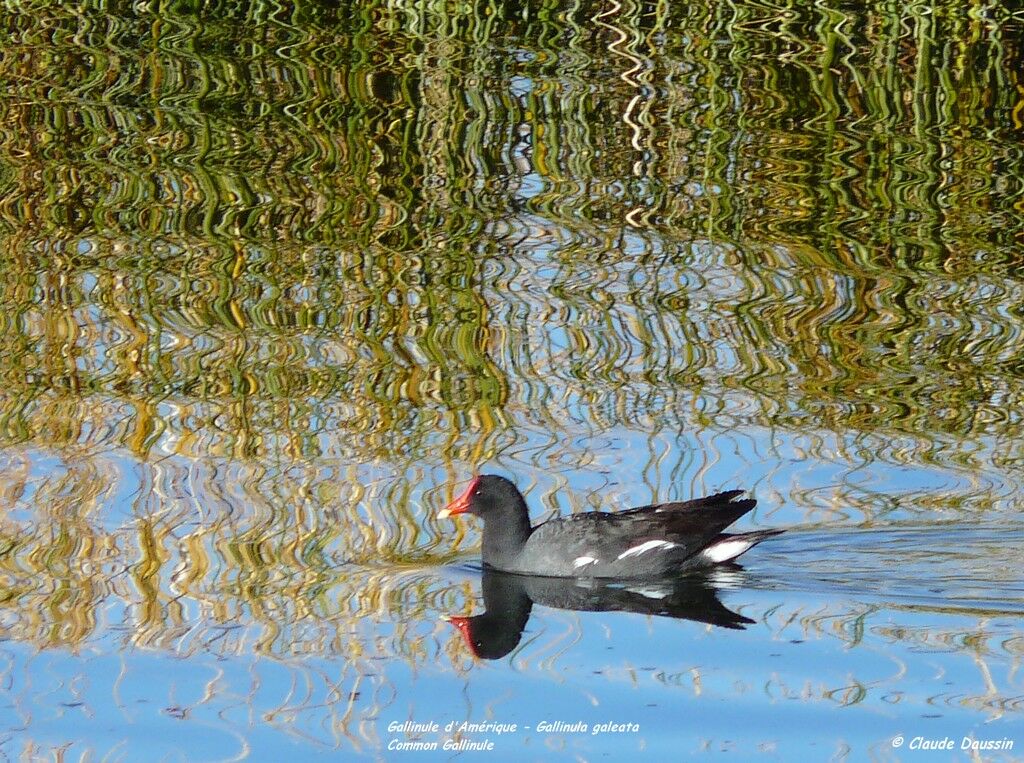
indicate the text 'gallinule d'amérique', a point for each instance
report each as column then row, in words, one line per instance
column 647, row 542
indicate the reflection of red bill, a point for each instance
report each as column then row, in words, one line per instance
column 462, row 625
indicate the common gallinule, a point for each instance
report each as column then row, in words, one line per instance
column 647, row 542
column 508, row 600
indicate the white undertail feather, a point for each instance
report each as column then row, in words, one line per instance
column 723, row 577
column 726, row 549
column 649, row 545
column 650, row 593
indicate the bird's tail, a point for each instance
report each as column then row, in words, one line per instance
column 726, row 547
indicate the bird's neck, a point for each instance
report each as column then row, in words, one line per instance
column 505, row 535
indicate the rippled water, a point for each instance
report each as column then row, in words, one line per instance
column 275, row 281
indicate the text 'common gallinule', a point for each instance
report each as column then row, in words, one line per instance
column 647, row 542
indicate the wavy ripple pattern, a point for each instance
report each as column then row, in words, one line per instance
column 274, row 278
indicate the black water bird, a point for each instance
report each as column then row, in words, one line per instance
column 650, row 542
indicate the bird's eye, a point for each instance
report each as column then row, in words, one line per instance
column 476, row 492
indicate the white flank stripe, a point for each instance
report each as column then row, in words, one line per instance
column 649, row 545
column 725, row 550
column 583, row 561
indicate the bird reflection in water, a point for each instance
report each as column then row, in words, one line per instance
column 509, row 598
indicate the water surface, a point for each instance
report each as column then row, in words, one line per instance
column 275, row 281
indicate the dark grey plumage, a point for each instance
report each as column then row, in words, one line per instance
column 646, row 542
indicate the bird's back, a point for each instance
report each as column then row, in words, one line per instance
column 646, row 542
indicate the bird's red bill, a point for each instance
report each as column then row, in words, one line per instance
column 461, row 504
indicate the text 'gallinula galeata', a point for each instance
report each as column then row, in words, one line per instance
column 647, row 542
